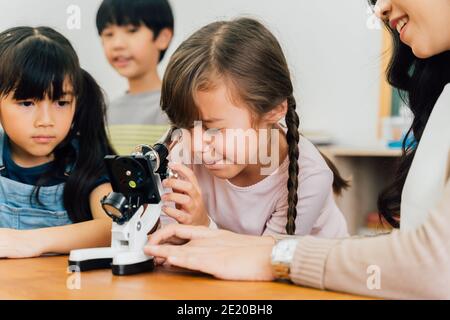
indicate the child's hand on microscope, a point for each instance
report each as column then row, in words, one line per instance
column 187, row 196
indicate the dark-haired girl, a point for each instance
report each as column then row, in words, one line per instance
column 52, row 147
column 413, row 262
column 231, row 79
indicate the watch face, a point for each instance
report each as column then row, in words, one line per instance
column 282, row 256
column 285, row 250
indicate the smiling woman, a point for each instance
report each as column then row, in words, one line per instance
column 421, row 79
column 421, row 26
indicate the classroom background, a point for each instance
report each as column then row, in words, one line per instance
column 336, row 53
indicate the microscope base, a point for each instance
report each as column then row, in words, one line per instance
column 130, row 269
column 122, row 262
column 88, row 265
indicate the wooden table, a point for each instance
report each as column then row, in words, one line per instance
column 48, row 278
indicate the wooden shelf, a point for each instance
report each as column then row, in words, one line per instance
column 370, row 170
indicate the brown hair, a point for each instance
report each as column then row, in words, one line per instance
column 246, row 54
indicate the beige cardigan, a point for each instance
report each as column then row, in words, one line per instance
column 412, row 263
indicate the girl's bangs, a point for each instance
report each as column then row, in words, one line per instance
column 38, row 70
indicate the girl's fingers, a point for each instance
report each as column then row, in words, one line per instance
column 182, row 232
column 181, row 216
column 186, row 173
column 178, row 198
column 181, row 186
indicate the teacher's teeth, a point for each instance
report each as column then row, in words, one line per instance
column 402, row 23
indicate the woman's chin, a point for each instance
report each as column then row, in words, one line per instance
column 424, row 50
column 422, row 54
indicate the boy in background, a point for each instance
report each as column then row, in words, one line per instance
column 135, row 36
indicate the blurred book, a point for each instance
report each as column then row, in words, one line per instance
column 375, row 225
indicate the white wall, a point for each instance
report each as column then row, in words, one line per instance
column 334, row 56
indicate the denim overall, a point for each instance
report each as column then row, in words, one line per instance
column 19, row 208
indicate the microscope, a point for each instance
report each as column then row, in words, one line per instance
column 134, row 206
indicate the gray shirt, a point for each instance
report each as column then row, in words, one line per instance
column 140, row 108
column 135, row 119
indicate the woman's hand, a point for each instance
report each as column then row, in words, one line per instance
column 221, row 253
column 187, row 196
column 18, row 244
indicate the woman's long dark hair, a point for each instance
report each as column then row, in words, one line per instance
column 34, row 64
column 245, row 53
column 420, row 83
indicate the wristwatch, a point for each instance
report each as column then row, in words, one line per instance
column 282, row 256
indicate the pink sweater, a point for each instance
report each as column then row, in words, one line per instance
column 262, row 208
